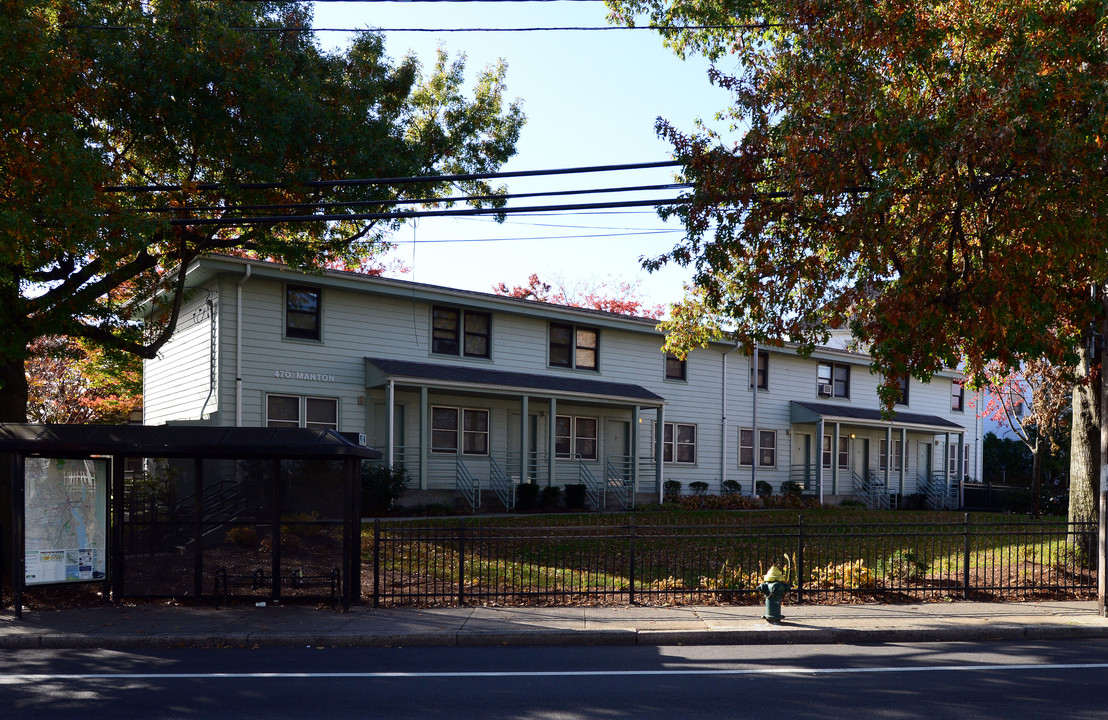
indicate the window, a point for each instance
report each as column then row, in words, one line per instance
column 957, row 395
column 576, row 436
column 456, row 332
column 902, row 390
column 302, row 312
column 898, row 450
column 952, row 464
column 767, row 447
column 763, row 371
column 574, row 347
column 676, row 368
column 289, row 410
column 473, row 430
column 679, row 443
column 844, row 451
column 834, row 380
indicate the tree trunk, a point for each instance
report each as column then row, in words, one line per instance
column 1085, row 449
column 13, row 390
column 1036, row 473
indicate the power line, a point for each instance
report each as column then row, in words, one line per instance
column 405, row 215
column 461, row 177
column 412, row 201
column 552, row 28
column 536, row 237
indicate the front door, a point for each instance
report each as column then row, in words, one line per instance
column 923, row 460
column 617, row 445
column 861, row 457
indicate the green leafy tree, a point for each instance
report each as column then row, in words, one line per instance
column 930, row 174
column 229, row 110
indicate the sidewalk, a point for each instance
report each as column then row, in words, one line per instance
column 298, row 626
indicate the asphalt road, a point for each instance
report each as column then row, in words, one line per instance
column 927, row 680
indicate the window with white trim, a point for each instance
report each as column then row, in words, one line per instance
column 466, row 428
column 898, row 456
column 767, row 447
column 576, row 437
column 294, row 411
column 679, row 443
column 833, row 379
column 302, row 312
column 952, row 461
column 676, row 368
column 902, row 385
column 460, row 332
column 763, row 370
column 844, row 451
column 576, row 347
column 957, row 395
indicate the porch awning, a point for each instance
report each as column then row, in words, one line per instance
column 810, row 412
column 455, row 377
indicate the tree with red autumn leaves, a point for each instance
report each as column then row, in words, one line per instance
column 614, row 296
column 930, row 174
column 1033, row 403
column 79, row 383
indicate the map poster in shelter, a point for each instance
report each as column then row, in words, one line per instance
column 66, row 530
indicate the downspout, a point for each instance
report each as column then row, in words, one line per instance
column 723, row 423
column 238, row 346
column 757, row 442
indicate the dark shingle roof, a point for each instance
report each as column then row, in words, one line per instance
column 506, row 379
column 180, row 441
column 872, row 415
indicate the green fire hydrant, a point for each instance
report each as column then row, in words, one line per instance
column 774, row 588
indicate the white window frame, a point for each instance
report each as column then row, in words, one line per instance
column 958, row 391
column 574, row 346
column 684, row 365
column 833, row 365
column 756, row 369
column 672, row 444
column 462, row 332
column 576, row 437
column 302, row 420
column 844, row 451
column 898, row 458
column 296, row 334
column 746, row 445
column 460, row 432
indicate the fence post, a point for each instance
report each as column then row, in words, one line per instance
column 462, row 563
column 799, row 559
column 965, row 556
column 1102, row 552
column 376, row 563
column 631, row 538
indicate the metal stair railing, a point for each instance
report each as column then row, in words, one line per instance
column 502, row 485
column 879, row 491
column 595, row 490
column 468, row 486
column 619, row 470
column 934, row 489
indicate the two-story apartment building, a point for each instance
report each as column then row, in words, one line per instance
column 471, row 389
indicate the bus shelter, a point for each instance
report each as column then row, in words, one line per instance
column 186, row 512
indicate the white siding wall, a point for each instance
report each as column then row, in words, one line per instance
column 177, row 382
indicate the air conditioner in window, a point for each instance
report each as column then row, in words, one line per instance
column 826, row 390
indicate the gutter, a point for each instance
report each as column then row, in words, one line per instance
column 238, row 346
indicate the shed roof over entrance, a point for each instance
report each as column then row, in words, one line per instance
column 810, row 412
column 180, row 441
column 378, row 370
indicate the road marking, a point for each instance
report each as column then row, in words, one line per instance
column 18, row 678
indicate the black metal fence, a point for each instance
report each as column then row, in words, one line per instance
column 620, row 559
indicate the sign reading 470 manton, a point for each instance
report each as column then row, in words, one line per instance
column 301, row 375
column 65, row 536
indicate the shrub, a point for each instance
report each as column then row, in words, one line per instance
column 297, row 524
column 671, row 490
column 763, row 489
column 550, row 496
column 575, row 495
column 381, row 487
column 915, row 501
column 732, row 487
column 791, row 487
column 905, row 566
column 242, row 536
column 699, row 488
column 527, row 495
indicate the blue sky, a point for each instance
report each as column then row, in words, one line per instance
column 591, row 98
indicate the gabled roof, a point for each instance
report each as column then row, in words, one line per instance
column 809, row 412
column 180, row 441
column 378, row 370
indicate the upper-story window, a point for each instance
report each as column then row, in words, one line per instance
column 460, row 332
column 902, row 390
column 763, row 370
column 957, row 395
column 676, row 368
column 302, row 312
column 574, row 347
column 833, row 380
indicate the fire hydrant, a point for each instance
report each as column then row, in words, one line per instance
column 774, row 588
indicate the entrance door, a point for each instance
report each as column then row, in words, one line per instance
column 802, row 451
column 617, row 443
column 861, row 457
column 923, row 460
